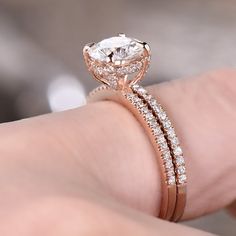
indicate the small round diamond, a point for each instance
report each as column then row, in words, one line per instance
column 144, row 110
column 178, row 151
column 163, row 146
column 166, row 155
column 152, row 123
column 179, row 160
column 170, row 173
column 109, row 69
column 167, row 124
column 154, row 104
column 162, row 115
column 157, row 130
column 135, row 87
column 161, row 139
column 182, row 179
column 168, row 164
column 149, row 116
column 181, row 170
column 171, row 132
column 171, row 180
column 142, row 90
column 129, row 69
column 174, row 141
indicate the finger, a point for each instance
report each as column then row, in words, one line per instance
column 106, row 147
column 203, row 111
column 232, row 208
column 77, row 216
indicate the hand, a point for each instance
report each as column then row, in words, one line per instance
column 63, row 172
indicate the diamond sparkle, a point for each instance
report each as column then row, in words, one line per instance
column 175, row 152
column 117, row 48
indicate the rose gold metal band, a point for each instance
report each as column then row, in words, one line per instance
column 163, row 138
column 120, row 62
column 175, row 149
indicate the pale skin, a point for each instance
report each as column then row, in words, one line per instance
column 92, row 170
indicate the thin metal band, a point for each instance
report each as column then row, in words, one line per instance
column 147, row 117
column 174, row 145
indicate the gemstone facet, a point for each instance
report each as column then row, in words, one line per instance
column 118, row 61
column 117, row 48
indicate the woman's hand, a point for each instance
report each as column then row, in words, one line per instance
column 79, row 171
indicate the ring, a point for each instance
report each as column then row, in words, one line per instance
column 119, row 63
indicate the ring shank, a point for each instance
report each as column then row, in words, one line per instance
column 169, row 192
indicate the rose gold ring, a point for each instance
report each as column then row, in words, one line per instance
column 119, row 63
column 174, row 147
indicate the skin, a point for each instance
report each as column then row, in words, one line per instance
column 92, row 170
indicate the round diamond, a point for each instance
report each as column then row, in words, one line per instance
column 118, row 48
column 179, row 160
column 182, row 179
column 178, row 151
column 149, row 116
column 162, row 115
column 167, row 124
column 156, row 131
column 181, row 170
column 130, row 69
column 161, row 139
column 166, row 155
column 142, row 90
column 152, row 124
column 135, row 87
column 168, row 164
column 144, row 110
column 171, row 132
column 98, row 69
column 171, row 180
column 163, row 146
column 170, row 173
column 175, row 141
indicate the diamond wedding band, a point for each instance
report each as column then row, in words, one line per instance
column 119, row 63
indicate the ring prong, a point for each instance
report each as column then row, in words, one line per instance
column 88, row 46
column 117, row 59
column 85, row 49
column 121, row 35
column 146, row 46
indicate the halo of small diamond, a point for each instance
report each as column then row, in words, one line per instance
column 117, row 60
column 109, row 69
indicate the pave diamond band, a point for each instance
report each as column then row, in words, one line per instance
column 174, row 147
column 163, row 138
column 170, row 134
column 145, row 116
column 157, row 134
column 119, row 63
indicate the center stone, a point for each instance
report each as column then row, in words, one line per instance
column 118, row 48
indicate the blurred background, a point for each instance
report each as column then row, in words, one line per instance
column 41, row 64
